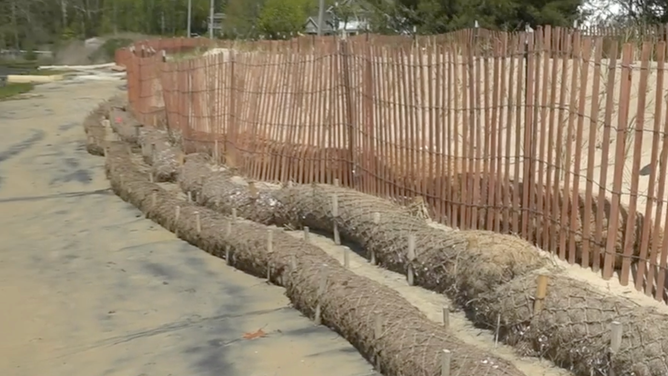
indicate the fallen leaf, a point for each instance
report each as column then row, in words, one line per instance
column 258, row 334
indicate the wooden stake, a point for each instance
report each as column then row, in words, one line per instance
column 335, row 205
column 137, row 133
column 446, row 359
column 152, row 153
column 498, row 327
column 616, row 331
column 177, row 214
column 150, row 177
column 234, row 214
column 198, row 223
column 307, row 236
column 376, row 222
column 335, row 215
column 293, row 262
column 378, row 326
column 270, row 241
column 190, row 196
column 377, row 333
column 215, row 151
column 337, row 236
column 252, row 191
column 410, row 274
column 446, row 317
column 154, row 198
column 321, row 291
column 228, row 233
column 541, row 292
column 336, row 182
column 346, row 258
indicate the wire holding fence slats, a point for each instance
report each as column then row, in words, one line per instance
column 558, row 136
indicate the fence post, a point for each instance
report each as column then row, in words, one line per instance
column 230, row 134
column 349, row 110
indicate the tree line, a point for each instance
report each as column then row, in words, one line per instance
column 25, row 23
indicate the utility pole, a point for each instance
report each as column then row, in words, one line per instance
column 321, row 16
column 211, row 20
column 190, row 13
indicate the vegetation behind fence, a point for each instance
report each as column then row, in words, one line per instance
column 558, row 136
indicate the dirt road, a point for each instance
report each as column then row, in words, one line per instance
column 89, row 287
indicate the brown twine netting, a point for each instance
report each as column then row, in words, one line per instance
column 491, row 275
column 407, row 343
column 95, row 132
column 220, row 193
column 156, row 145
column 157, row 150
column 191, row 176
column 125, row 125
column 574, row 326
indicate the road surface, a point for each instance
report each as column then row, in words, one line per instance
column 88, row 287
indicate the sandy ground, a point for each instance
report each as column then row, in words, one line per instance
column 88, row 287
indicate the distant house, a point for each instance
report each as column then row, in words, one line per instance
column 217, row 23
column 333, row 24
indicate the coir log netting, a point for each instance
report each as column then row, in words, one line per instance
column 463, row 264
column 157, row 148
column 125, row 125
column 96, row 132
column 574, row 326
column 407, row 343
column 492, row 276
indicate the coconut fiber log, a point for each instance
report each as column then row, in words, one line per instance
column 573, row 329
column 165, row 159
column 125, row 125
column 193, row 172
column 95, row 130
column 220, row 191
column 406, row 342
column 463, row 264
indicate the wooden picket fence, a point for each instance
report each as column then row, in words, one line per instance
column 558, row 136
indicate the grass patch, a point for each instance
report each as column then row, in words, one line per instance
column 12, row 90
column 19, row 64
